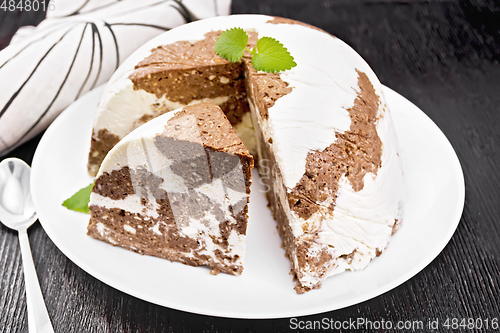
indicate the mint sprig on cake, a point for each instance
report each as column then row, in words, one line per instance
column 269, row 55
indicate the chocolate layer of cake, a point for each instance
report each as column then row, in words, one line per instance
column 201, row 220
column 354, row 154
column 189, row 72
column 100, row 144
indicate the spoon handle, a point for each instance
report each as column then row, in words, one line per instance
column 38, row 318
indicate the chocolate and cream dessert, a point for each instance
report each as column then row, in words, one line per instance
column 190, row 72
column 321, row 132
column 177, row 188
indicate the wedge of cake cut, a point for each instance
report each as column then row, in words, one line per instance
column 190, row 72
column 177, row 188
column 322, row 133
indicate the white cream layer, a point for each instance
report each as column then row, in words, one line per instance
column 121, row 106
column 246, row 132
column 137, row 150
column 362, row 221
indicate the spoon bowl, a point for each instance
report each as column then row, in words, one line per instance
column 18, row 212
column 16, row 206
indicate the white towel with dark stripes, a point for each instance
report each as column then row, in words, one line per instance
column 78, row 47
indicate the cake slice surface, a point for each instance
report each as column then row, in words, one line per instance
column 177, row 188
column 170, row 77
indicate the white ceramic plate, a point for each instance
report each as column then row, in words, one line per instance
column 436, row 192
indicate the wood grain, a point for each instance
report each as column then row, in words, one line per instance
column 441, row 55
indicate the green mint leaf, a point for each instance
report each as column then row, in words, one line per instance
column 231, row 44
column 79, row 202
column 272, row 56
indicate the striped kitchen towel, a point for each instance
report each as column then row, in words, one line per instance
column 76, row 48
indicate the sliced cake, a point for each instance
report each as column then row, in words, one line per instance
column 177, row 188
column 321, row 132
column 190, row 72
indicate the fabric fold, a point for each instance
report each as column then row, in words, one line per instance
column 76, row 48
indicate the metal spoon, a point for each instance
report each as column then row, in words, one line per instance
column 18, row 212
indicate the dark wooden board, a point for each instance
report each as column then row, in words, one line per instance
column 441, row 55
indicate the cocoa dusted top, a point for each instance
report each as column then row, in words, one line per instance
column 354, row 153
column 214, row 129
column 187, row 71
column 183, row 54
